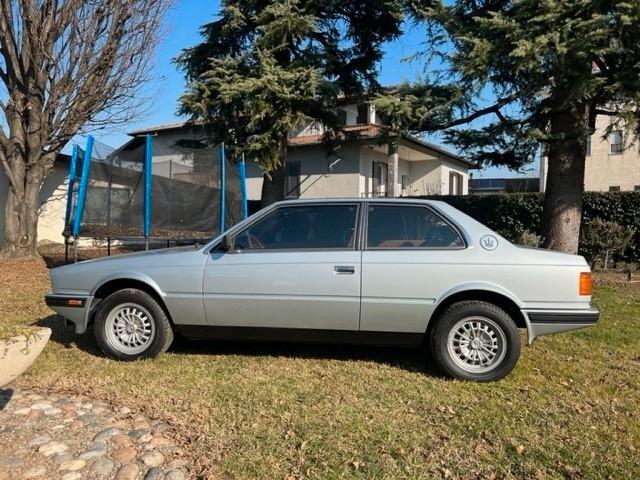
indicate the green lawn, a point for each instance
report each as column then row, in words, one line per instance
column 569, row 410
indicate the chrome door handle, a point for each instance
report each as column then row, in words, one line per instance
column 344, row 269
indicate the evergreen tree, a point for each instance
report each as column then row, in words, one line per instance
column 266, row 67
column 552, row 68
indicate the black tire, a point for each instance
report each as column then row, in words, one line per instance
column 161, row 335
column 506, row 337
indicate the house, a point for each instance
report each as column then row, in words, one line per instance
column 371, row 160
column 612, row 161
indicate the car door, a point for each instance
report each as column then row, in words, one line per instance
column 297, row 267
column 410, row 252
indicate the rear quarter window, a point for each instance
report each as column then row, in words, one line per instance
column 409, row 226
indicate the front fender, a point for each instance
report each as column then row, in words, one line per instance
column 124, row 275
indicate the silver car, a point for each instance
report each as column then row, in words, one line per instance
column 368, row 271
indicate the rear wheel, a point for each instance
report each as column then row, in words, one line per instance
column 130, row 324
column 475, row 340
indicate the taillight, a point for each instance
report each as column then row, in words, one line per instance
column 585, row 283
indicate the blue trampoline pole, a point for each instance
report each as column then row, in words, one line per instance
column 148, row 156
column 67, row 213
column 72, row 181
column 82, row 191
column 243, row 187
column 223, row 187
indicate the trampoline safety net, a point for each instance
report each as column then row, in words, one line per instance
column 114, row 201
column 192, row 192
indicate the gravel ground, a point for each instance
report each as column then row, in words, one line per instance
column 71, row 438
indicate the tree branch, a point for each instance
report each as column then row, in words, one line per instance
column 5, row 165
column 8, row 42
column 495, row 108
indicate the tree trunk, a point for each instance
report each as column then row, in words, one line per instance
column 26, row 166
column 21, row 218
column 562, row 209
column 273, row 184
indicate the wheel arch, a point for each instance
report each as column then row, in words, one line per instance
column 499, row 297
column 118, row 282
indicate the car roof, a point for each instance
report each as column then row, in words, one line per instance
column 294, row 201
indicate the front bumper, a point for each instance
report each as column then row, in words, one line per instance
column 75, row 308
column 545, row 322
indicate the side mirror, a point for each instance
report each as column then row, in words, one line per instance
column 228, row 244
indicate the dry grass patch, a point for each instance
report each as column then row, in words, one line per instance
column 569, row 410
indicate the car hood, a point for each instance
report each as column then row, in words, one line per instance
column 133, row 256
column 189, row 255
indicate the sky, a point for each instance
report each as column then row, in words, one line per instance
column 182, row 31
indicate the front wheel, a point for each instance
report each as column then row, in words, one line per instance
column 130, row 324
column 476, row 341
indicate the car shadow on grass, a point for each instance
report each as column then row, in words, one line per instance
column 406, row 358
column 409, row 359
column 65, row 336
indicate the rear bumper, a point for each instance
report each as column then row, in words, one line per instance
column 545, row 322
column 74, row 308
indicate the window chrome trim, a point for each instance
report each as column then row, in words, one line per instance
column 435, row 211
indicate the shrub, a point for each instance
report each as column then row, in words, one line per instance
column 601, row 238
column 529, row 239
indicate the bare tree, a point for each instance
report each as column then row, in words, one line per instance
column 65, row 65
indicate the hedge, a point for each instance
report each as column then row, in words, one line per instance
column 515, row 213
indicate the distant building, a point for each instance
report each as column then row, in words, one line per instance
column 486, row 186
column 612, row 163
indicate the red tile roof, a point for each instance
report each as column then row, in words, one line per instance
column 363, row 132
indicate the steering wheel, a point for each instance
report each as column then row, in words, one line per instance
column 347, row 236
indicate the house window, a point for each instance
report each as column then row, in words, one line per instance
column 616, row 141
column 614, row 188
column 587, row 148
column 363, row 113
column 636, row 188
column 342, row 117
column 405, row 181
column 292, row 180
column 455, row 183
column 379, row 179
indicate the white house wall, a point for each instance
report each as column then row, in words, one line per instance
column 448, row 167
column 53, row 202
column 426, row 178
column 316, row 179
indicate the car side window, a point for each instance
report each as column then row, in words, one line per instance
column 409, row 226
column 302, row 227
